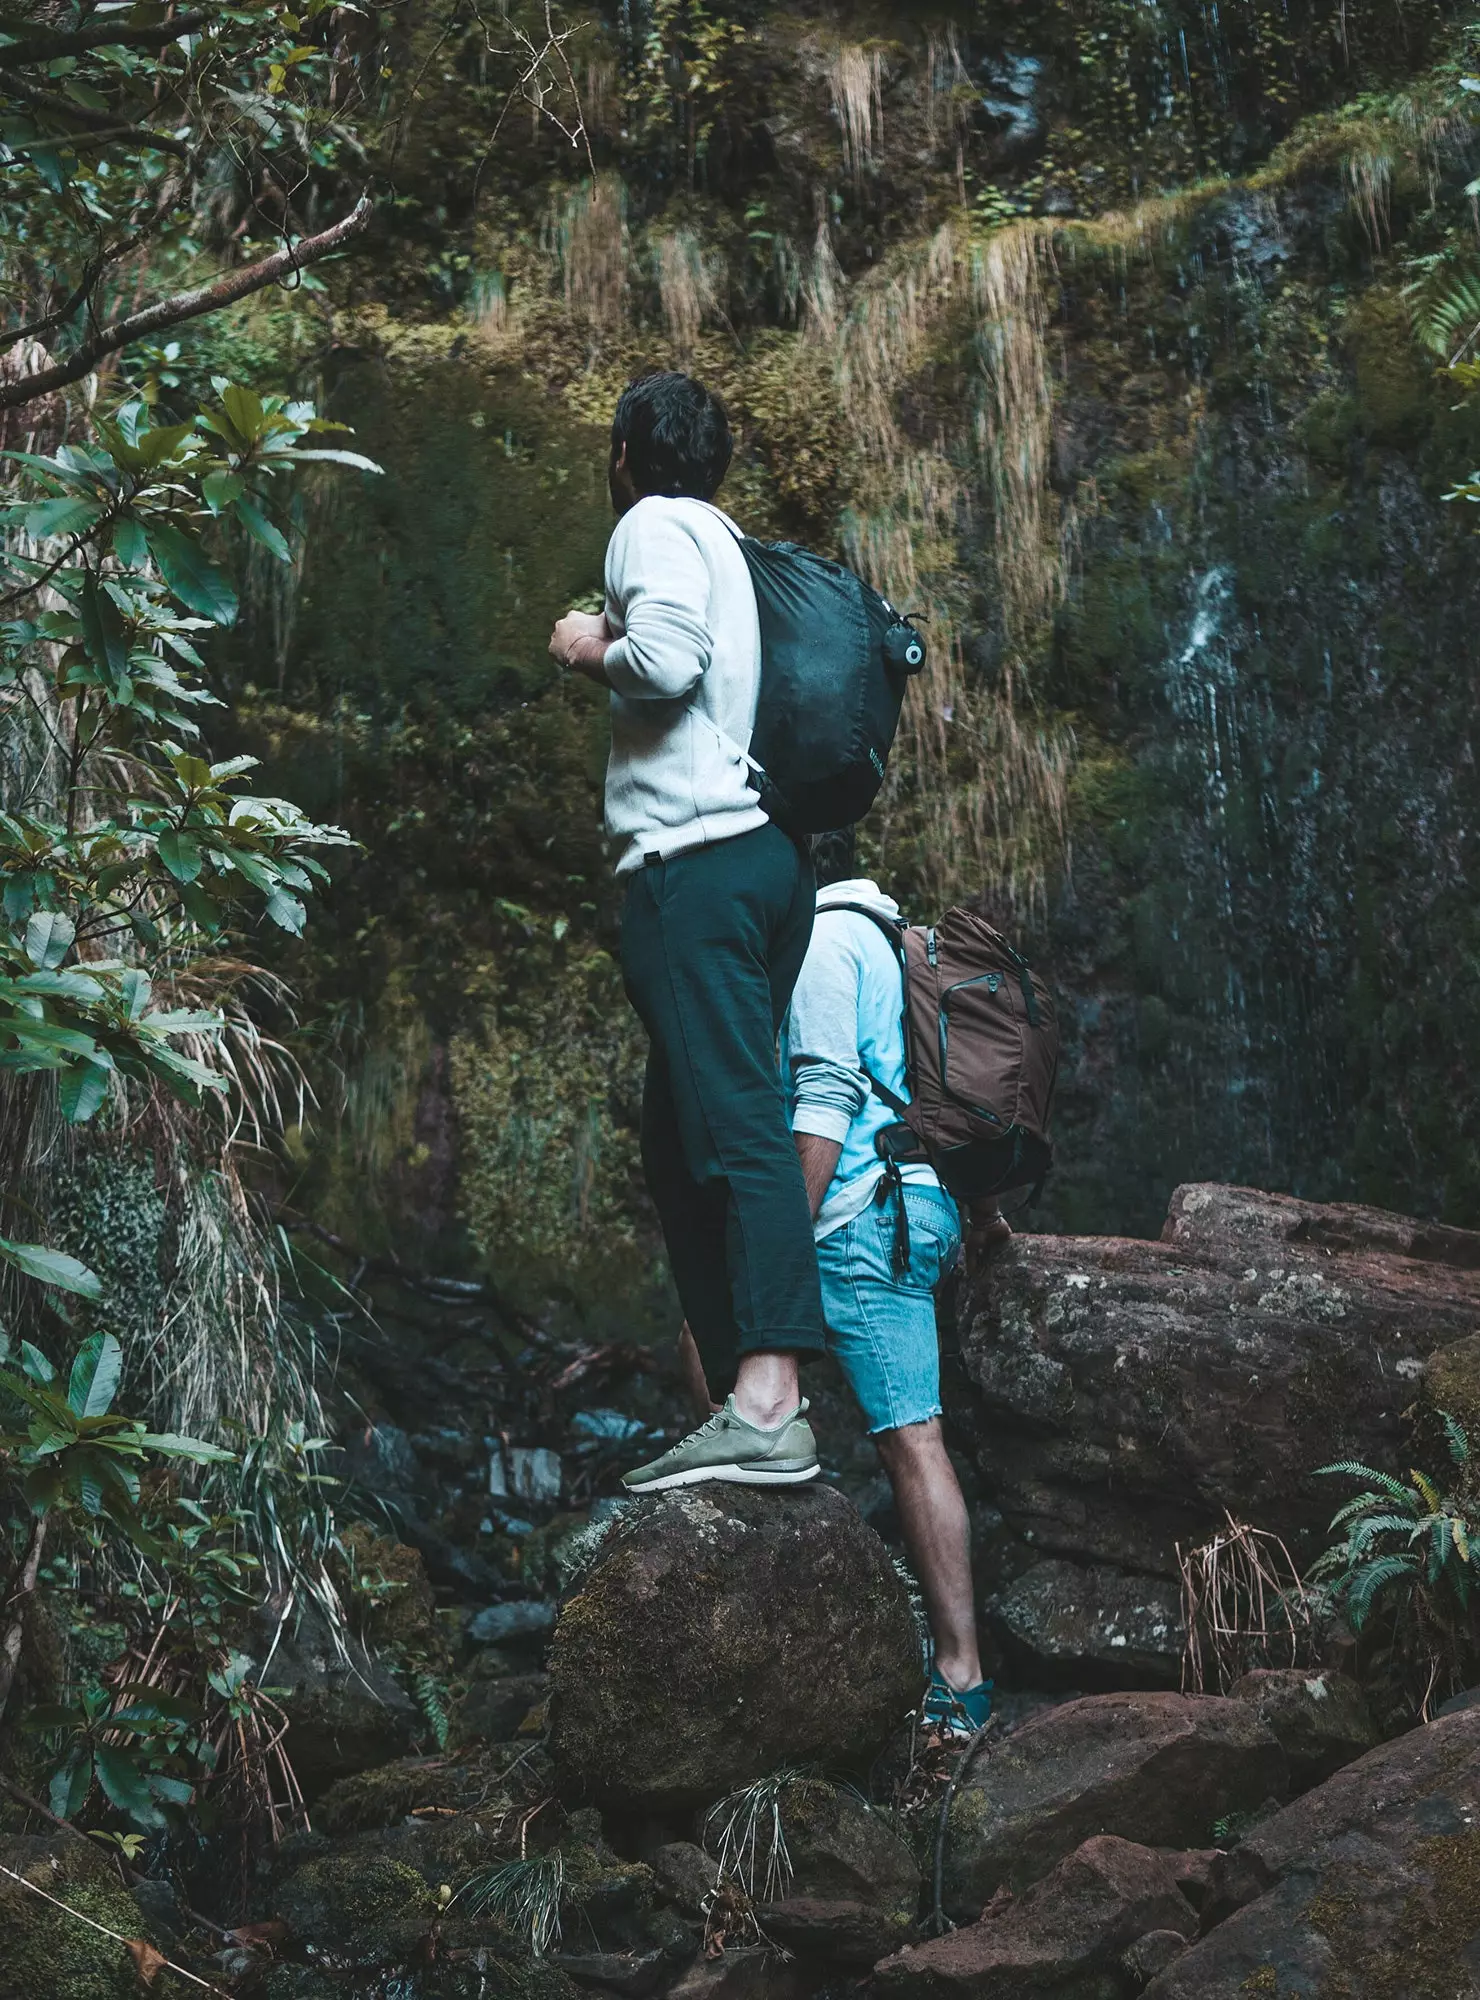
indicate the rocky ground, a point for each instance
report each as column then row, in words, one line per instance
column 679, row 1754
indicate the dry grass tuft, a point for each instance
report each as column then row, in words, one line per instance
column 1015, row 423
column 1369, row 181
column 687, row 288
column 855, row 82
column 591, row 242
column 1244, row 1606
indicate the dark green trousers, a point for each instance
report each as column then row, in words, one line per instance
column 712, row 942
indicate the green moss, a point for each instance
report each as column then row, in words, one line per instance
column 1425, row 1956
column 358, row 1905
column 49, row 1952
column 390, row 1793
column 1395, row 398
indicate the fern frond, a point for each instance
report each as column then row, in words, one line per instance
column 1459, row 1443
column 1446, row 315
column 1438, row 1548
column 430, row 1699
column 1362, row 1503
column 1376, row 1576
column 1363, row 1535
column 1427, row 1488
column 1461, row 1536
column 1351, row 1468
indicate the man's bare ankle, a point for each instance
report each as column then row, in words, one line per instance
column 959, row 1671
column 765, row 1412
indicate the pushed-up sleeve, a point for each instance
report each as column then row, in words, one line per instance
column 658, row 583
column 828, row 1086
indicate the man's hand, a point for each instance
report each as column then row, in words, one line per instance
column 580, row 641
column 819, row 1158
column 987, row 1229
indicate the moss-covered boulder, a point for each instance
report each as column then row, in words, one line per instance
column 47, row 1953
column 854, row 1889
column 356, row 1907
column 1321, row 1719
column 1157, row 1768
column 431, row 1786
column 723, row 1633
column 1367, row 1888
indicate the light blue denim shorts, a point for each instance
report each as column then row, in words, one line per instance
column 881, row 1327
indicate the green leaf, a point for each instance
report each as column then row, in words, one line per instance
column 125, row 1785
column 36, row 1364
column 353, row 458
column 103, row 630
column 286, row 912
column 219, row 489
column 170, row 1445
column 71, row 1784
column 244, row 407
column 190, row 574
column 129, row 545
column 49, row 937
column 261, row 529
column 199, row 907
column 52, row 1267
column 67, row 516
column 180, row 853
column 134, row 989
column 156, row 445
column 81, row 1089
column 95, row 1374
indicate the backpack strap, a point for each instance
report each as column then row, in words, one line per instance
column 893, row 929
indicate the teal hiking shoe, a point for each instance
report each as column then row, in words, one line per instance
column 727, row 1448
column 957, row 1711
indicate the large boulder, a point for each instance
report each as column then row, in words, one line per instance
column 1426, row 1782
column 1158, row 1768
column 854, row 1887
column 1065, row 1939
column 1368, row 1886
column 1129, row 1392
column 74, row 1953
column 721, row 1633
column 1321, row 1718
column 1067, row 1627
column 346, row 1711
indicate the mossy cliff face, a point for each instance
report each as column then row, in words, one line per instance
column 1161, row 456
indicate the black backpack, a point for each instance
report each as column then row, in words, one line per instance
column 835, row 656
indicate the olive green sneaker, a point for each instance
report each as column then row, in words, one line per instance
column 728, row 1448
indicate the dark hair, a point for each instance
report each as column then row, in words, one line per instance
column 835, row 855
column 677, row 435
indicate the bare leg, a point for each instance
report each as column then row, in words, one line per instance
column 691, row 1368
column 767, row 1390
column 932, row 1514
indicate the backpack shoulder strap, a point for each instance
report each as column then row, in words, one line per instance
column 894, row 929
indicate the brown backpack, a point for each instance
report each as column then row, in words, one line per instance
column 981, row 1043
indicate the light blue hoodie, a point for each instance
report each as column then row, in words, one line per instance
column 847, row 1016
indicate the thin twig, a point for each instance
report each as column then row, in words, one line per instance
column 181, row 306
column 938, row 1925
column 130, row 1874
column 117, row 1936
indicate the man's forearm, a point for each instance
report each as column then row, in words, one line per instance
column 819, row 1158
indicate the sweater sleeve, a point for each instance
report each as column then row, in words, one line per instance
column 658, row 583
column 822, row 1037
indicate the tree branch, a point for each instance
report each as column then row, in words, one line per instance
column 99, row 124
column 180, row 306
column 45, row 45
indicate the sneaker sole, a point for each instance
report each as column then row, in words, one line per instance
column 730, row 1475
